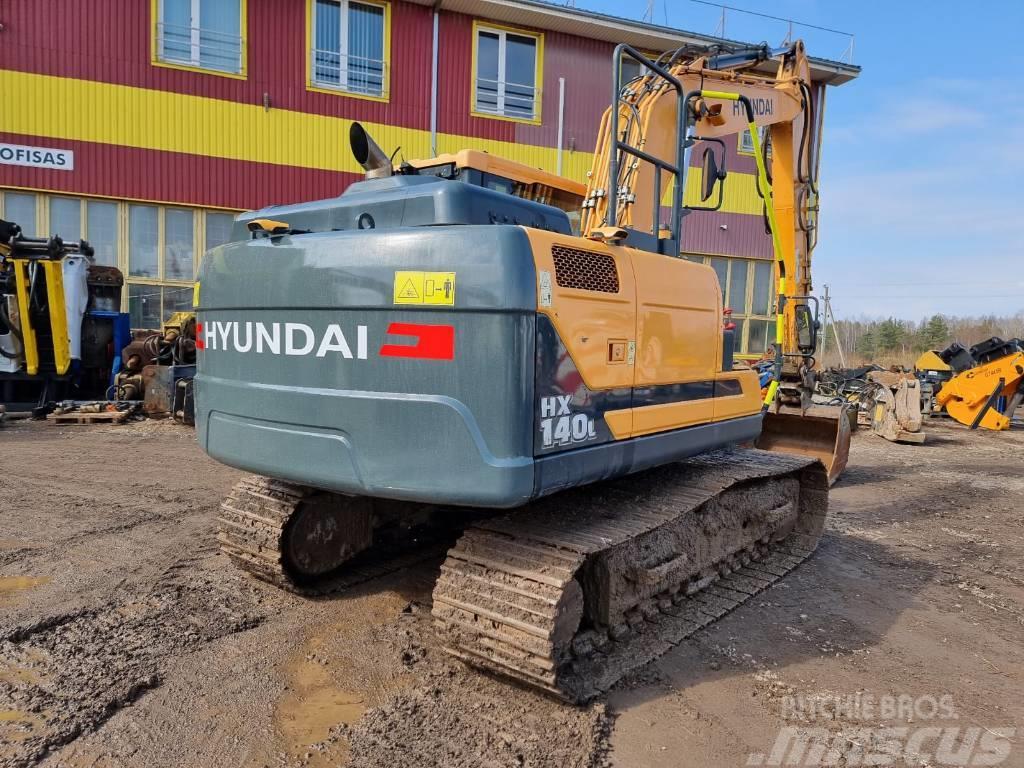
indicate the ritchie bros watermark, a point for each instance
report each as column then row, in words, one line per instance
column 890, row 730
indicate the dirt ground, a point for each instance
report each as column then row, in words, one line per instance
column 126, row 639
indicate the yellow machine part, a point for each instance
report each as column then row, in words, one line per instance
column 28, row 331
column 53, row 272
column 930, row 361
column 968, row 394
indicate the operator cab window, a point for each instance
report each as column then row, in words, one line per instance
column 506, row 80
column 350, row 47
column 205, row 34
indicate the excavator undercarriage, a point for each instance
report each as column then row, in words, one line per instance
column 575, row 591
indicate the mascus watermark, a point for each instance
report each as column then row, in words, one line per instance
column 922, row 737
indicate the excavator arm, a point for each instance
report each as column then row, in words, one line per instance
column 635, row 140
column 642, row 157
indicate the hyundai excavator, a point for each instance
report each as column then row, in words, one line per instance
column 464, row 333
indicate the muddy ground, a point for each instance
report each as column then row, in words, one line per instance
column 126, row 639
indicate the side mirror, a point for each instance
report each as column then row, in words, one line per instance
column 806, row 329
column 711, row 174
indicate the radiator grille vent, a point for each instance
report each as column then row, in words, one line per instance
column 585, row 270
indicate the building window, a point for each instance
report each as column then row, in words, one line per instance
column 20, row 208
column 736, row 298
column 747, row 289
column 101, row 230
column 150, row 305
column 630, row 69
column 508, row 70
column 762, row 294
column 66, row 218
column 179, row 245
column 143, row 241
column 746, row 142
column 157, row 248
column 757, row 336
column 350, row 47
column 207, row 34
column 218, row 229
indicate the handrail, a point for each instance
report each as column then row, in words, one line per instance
column 619, row 145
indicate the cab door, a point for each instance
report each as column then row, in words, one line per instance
column 678, row 342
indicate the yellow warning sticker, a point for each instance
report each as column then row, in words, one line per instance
column 425, row 288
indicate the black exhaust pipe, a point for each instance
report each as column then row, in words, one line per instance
column 376, row 164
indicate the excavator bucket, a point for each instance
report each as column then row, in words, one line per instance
column 822, row 431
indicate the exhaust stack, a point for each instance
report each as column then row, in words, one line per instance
column 376, row 164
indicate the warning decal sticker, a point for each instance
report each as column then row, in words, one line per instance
column 437, row 288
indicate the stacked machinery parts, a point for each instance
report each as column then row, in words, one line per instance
column 932, row 371
column 419, row 345
column 888, row 401
column 60, row 328
column 895, row 406
column 159, row 367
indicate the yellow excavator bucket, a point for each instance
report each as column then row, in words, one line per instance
column 822, row 431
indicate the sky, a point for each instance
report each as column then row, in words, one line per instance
column 922, row 174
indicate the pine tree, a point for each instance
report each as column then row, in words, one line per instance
column 890, row 335
column 866, row 344
column 935, row 333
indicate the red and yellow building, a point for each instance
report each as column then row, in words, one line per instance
column 144, row 125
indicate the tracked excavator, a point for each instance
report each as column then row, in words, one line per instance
column 459, row 334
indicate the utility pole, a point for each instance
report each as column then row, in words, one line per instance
column 830, row 318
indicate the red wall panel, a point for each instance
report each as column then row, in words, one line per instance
column 109, row 41
column 743, row 235
column 146, row 174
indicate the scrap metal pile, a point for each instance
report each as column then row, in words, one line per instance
column 889, row 401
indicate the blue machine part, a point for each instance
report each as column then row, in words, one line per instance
column 122, row 336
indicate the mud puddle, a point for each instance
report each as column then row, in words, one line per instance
column 65, row 675
column 326, row 690
column 13, row 587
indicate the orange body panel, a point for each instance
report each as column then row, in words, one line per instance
column 588, row 321
column 679, row 320
column 744, row 404
column 668, row 310
column 509, row 169
column 649, row 419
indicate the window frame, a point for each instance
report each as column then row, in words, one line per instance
column 338, row 90
column 740, row 149
column 122, row 238
column 538, row 71
column 157, row 60
column 742, row 318
column 623, row 59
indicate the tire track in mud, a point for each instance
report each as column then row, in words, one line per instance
column 64, row 676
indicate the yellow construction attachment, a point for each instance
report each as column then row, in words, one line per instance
column 973, row 397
